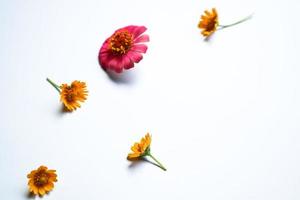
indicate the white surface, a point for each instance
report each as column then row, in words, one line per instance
column 224, row 114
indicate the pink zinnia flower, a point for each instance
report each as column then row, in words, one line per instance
column 123, row 49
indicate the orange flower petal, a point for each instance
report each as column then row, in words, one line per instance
column 42, row 191
column 49, row 187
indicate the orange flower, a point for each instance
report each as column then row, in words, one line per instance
column 41, row 180
column 71, row 95
column 142, row 149
column 209, row 22
column 139, row 149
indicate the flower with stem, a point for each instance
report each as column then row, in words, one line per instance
column 41, row 180
column 71, row 95
column 142, row 149
column 209, row 22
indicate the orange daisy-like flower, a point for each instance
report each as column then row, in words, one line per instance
column 139, row 149
column 41, row 180
column 142, row 149
column 209, row 22
column 71, row 95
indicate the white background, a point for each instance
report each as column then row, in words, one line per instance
column 224, row 114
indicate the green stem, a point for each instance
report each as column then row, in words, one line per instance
column 159, row 164
column 235, row 23
column 54, row 85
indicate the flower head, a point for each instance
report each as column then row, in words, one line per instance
column 41, row 180
column 123, row 48
column 139, row 149
column 142, row 149
column 209, row 22
column 71, row 95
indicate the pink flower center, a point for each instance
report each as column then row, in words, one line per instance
column 121, row 42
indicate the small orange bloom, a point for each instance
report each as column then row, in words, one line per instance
column 73, row 94
column 142, row 149
column 41, row 180
column 139, row 149
column 209, row 22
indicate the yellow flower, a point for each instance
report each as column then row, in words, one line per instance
column 139, row 149
column 142, row 149
column 71, row 95
column 209, row 22
column 41, row 180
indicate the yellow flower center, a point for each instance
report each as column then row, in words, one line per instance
column 121, row 42
column 41, row 179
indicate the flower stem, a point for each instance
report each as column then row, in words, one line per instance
column 235, row 23
column 159, row 164
column 54, row 85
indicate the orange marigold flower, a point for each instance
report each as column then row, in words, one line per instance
column 142, row 149
column 209, row 22
column 41, row 180
column 71, row 95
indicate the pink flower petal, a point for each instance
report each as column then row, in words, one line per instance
column 104, row 59
column 142, row 48
column 118, row 70
column 135, row 56
column 128, row 63
column 104, row 48
column 142, row 38
column 116, row 64
column 136, row 30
